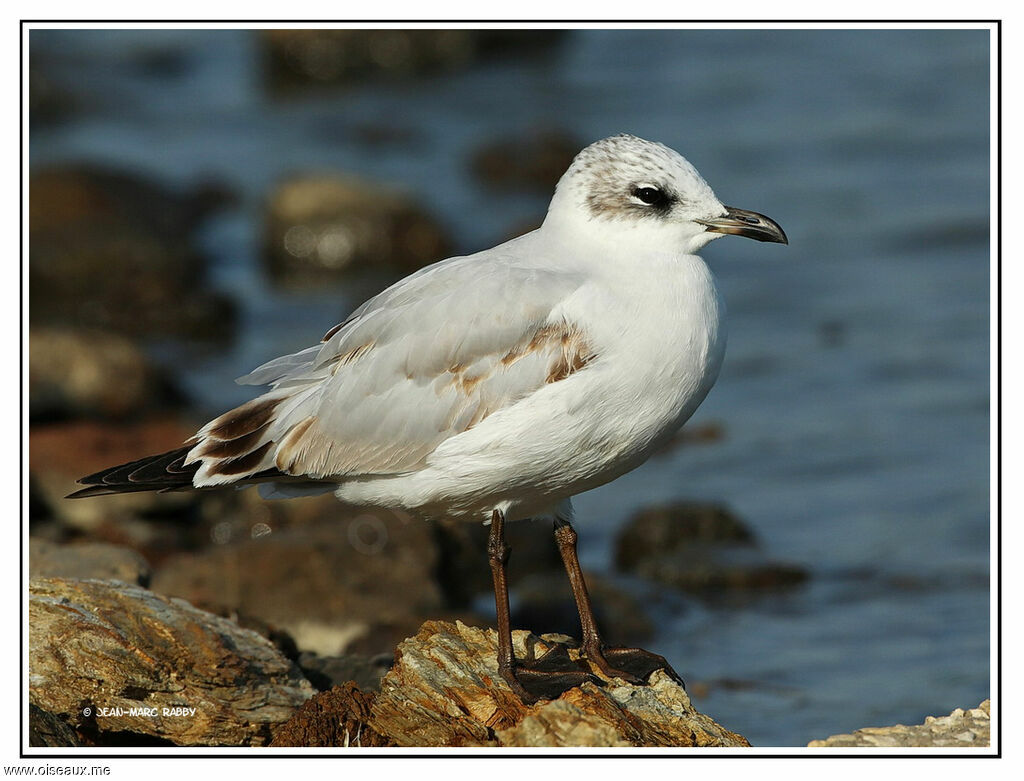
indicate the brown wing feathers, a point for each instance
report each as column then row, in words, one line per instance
column 232, row 442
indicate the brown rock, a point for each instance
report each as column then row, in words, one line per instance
column 463, row 571
column 534, row 161
column 666, row 528
column 91, row 373
column 700, row 548
column 322, row 224
column 61, row 453
column 545, row 602
column 110, row 658
column 112, row 250
column 327, row 584
column 333, row 718
column 86, row 560
column 326, row 672
column 445, row 690
column 298, row 58
column 713, row 572
column 692, row 434
column 45, row 729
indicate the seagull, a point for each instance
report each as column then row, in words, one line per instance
column 497, row 386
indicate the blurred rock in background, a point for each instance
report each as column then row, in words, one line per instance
column 90, row 373
column 700, row 548
column 114, row 250
column 533, row 161
column 321, row 225
column 302, row 58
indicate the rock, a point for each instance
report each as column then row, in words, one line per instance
column 86, row 560
column 462, row 568
column 692, row 434
column 676, row 526
column 45, row 729
column 111, row 250
column 713, row 572
column 700, row 548
column 545, row 602
column 278, row 637
column 534, row 161
column 326, row 672
column 323, row 224
column 111, row 657
column 327, row 583
column 60, row 453
column 300, row 58
column 332, row 718
column 960, row 729
column 96, row 374
column 445, row 690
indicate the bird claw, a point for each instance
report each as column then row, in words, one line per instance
column 555, row 673
column 548, row 677
column 633, row 665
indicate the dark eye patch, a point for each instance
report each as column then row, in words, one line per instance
column 655, row 197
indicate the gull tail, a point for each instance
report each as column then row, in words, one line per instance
column 163, row 472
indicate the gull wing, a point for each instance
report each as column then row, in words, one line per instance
column 426, row 360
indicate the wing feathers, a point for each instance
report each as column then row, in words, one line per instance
column 411, row 368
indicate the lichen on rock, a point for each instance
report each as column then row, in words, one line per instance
column 115, row 659
column 445, row 690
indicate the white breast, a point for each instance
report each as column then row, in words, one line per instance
column 663, row 326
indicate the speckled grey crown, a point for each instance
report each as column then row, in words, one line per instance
column 602, row 176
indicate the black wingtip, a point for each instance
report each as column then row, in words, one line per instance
column 165, row 471
column 92, row 490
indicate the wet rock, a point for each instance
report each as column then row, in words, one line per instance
column 960, row 729
column 445, row 690
column 696, row 434
column 301, row 58
column 534, row 161
column 326, row 672
column 46, row 729
column 545, row 602
column 61, row 453
column 676, row 526
column 322, row 224
column 332, row 718
column 86, row 560
column 113, row 251
column 700, row 548
column 714, row 572
column 463, row 571
column 95, row 374
column 327, row 584
column 117, row 661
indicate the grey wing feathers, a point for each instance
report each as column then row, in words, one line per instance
column 425, row 360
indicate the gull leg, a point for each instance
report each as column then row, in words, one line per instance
column 633, row 665
column 497, row 555
column 531, row 681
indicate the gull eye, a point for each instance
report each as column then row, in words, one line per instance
column 651, row 196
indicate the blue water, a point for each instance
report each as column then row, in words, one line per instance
column 855, row 393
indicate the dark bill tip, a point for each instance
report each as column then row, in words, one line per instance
column 740, row 222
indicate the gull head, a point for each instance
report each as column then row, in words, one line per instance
column 636, row 190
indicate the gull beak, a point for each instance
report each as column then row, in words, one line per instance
column 740, row 222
